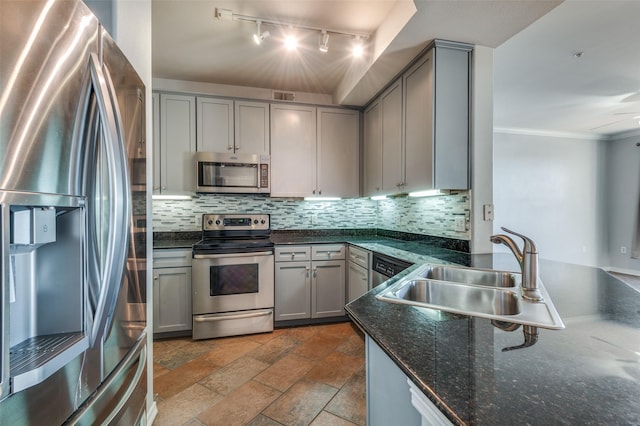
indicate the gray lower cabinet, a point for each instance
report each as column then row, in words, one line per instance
column 327, row 288
column 313, row 288
column 392, row 399
column 292, row 290
column 171, row 290
column 357, row 272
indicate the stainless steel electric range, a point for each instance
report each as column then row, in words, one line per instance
column 233, row 276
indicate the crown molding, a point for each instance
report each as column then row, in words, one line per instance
column 550, row 133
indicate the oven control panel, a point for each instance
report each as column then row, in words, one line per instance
column 238, row 222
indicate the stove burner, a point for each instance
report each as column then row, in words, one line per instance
column 234, row 233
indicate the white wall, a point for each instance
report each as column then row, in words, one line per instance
column 623, row 190
column 552, row 190
column 132, row 32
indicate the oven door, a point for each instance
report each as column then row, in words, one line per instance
column 232, row 282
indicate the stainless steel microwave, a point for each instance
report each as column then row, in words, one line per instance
column 233, row 173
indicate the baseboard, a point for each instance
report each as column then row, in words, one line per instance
column 152, row 413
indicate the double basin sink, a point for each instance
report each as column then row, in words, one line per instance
column 485, row 293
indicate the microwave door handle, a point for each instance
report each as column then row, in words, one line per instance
column 119, row 207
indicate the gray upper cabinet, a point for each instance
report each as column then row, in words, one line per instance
column 383, row 147
column 252, row 127
column 177, row 144
column 293, row 150
column 417, row 130
column 338, row 153
column 436, row 118
column 372, row 150
column 392, row 149
column 225, row 125
column 215, row 124
column 314, row 151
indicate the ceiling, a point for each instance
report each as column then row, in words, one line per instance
column 538, row 83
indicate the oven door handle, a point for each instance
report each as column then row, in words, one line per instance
column 215, row 318
column 220, row 256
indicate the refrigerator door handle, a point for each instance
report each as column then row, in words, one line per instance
column 119, row 208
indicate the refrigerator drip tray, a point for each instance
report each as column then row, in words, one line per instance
column 37, row 358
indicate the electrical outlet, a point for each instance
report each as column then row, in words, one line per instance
column 460, row 224
column 488, row 212
column 623, row 250
column 198, row 220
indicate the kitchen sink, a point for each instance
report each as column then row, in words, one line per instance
column 484, row 293
column 485, row 277
column 460, row 298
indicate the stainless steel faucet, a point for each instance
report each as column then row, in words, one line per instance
column 528, row 261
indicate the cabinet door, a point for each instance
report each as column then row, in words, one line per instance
column 388, row 396
column 156, row 143
column 177, row 143
column 338, row 153
column 171, row 299
column 293, row 151
column 418, row 110
column 357, row 282
column 327, row 288
column 215, row 124
column 392, row 147
column 252, row 127
column 292, row 290
column 451, row 133
column 373, row 150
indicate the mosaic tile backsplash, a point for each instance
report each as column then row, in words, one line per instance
column 437, row 216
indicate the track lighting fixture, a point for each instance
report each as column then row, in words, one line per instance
column 291, row 41
column 324, row 42
column 259, row 37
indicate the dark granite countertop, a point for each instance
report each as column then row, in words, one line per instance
column 588, row 373
column 175, row 240
column 397, row 244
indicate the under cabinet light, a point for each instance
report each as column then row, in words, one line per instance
column 379, row 197
column 322, row 198
column 171, row 197
column 429, row 193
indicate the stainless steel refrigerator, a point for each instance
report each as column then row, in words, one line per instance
column 72, row 220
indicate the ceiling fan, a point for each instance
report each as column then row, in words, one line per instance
column 636, row 116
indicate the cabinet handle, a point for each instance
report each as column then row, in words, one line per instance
column 320, row 192
column 155, row 278
column 400, row 184
column 314, row 192
column 238, row 147
column 315, row 272
column 307, row 268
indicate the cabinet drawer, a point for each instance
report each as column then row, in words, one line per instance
column 327, row 252
column 292, row 253
column 171, row 258
column 359, row 256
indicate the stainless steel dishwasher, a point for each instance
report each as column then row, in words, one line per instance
column 384, row 267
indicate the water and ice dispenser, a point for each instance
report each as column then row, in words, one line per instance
column 47, row 319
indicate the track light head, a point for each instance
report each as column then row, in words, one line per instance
column 324, row 42
column 259, row 37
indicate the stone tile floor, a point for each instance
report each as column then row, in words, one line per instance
column 310, row 375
